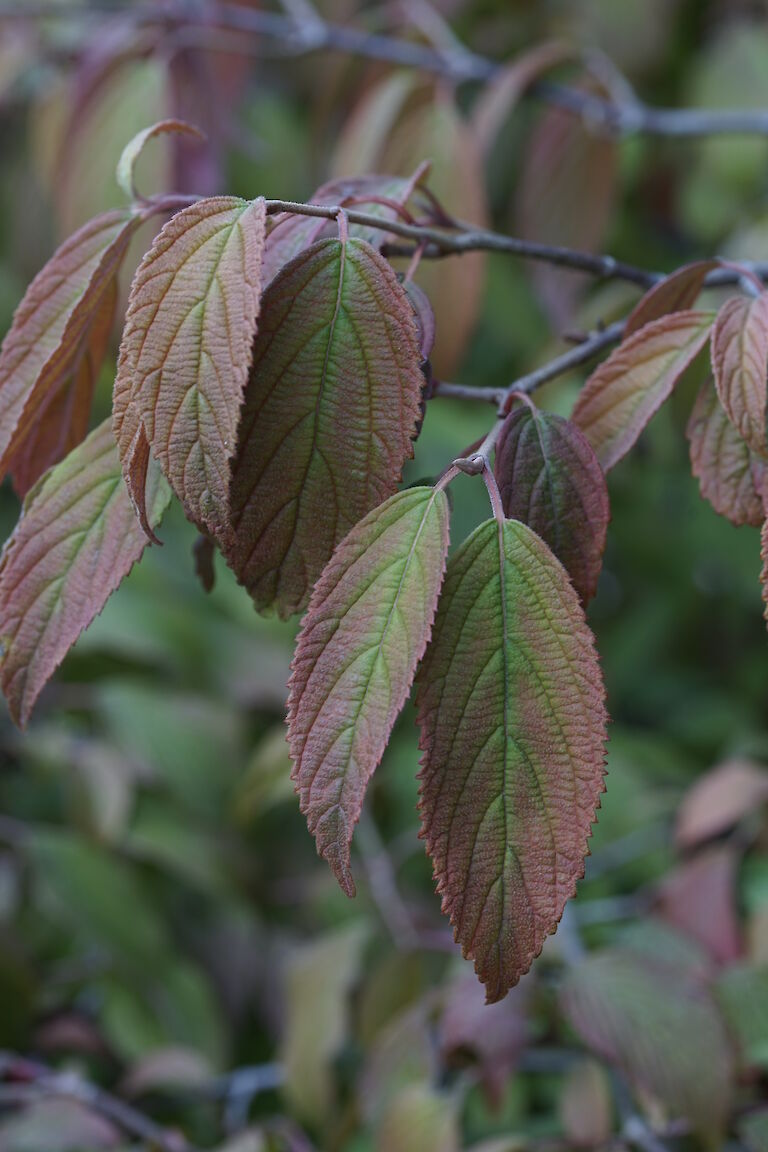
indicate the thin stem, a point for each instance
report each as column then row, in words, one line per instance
column 316, row 34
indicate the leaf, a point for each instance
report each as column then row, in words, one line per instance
column 56, row 343
column 742, row 991
column 134, row 148
column 62, row 421
column 503, row 91
column 675, row 293
column 565, row 196
column 764, row 569
column 720, row 800
column 186, row 352
column 510, row 707
column 624, row 392
column 291, row 233
column 550, row 478
column 329, row 413
column 730, row 475
column 659, row 1025
column 420, row 1119
column 75, row 542
column 699, row 898
column 586, row 1105
column 740, row 364
column 368, row 624
column 318, row 980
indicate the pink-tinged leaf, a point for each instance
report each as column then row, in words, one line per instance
column 677, row 292
column 58, row 338
column 622, row 395
column 368, row 624
column 62, row 420
column 699, row 899
column 495, row 1035
column 719, row 800
column 291, row 233
column 730, row 475
column 186, row 352
column 329, row 414
column 500, row 96
column 130, row 155
column 740, row 364
column 550, row 478
column 660, row 1026
column 75, row 542
column 513, row 730
column 566, row 191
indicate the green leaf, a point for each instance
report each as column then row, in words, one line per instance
column 550, row 478
column 55, row 346
column 622, row 395
column 513, row 729
column 186, row 352
column 368, row 624
column 743, row 993
column 329, row 414
column 76, row 541
column 658, row 1023
column 730, row 475
column 740, row 363
column 134, row 148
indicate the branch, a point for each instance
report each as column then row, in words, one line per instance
column 303, row 37
column 30, row 1080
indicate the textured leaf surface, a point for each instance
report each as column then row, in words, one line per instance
column 550, row 478
column 329, row 412
column 659, row 1025
column 58, row 335
column 367, row 626
column 622, row 395
column 510, row 706
column 77, row 539
column 675, row 293
column 291, row 233
column 186, row 352
column 740, row 364
column 729, row 473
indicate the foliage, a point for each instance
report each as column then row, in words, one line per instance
column 284, row 400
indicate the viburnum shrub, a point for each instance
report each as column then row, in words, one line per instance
column 273, row 376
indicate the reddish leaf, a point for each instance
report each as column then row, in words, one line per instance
column 510, row 706
column 500, row 96
column 719, row 800
column 134, row 148
column 740, row 363
column 659, row 1025
column 186, row 352
column 367, row 626
column 329, row 413
column 675, row 293
column 550, row 478
column 76, row 541
column 565, row 196
column 622, row 395
column 291, row 233
column 729, row 473
column 699, row 898
column 62, row 421
column 56, row 344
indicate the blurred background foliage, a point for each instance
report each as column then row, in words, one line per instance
column 166, row 930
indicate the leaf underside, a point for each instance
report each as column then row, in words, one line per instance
column 368, row 624
column 330, row 410
column 513, row 728
column 675, row 293
column 186, row 352
column 550, row 478
column 730, row 474
column 55, row 346
column 626, row 390
column 740, row 363
column 76, row 541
